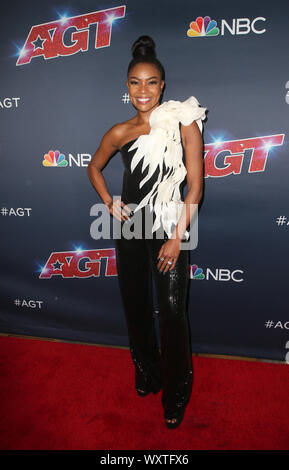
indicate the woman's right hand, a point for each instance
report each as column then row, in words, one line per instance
column 118, row 209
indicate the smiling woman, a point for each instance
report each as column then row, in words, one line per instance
column 151, row 147
column 145, row 86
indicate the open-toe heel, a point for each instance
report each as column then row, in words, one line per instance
column 141, row 384
column 142, row 393
column 145, row 390
column 144, row 386
column 175, row 418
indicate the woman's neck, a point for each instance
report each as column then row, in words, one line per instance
column 143, row 117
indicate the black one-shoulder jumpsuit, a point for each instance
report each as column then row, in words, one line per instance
column 169, row 367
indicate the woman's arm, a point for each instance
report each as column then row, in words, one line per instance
column 108, row 146
column 193, row 146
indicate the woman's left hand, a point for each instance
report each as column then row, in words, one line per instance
column 170, row 251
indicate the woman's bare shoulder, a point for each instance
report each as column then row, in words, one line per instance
column 118, row 133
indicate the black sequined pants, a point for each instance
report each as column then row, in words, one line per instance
column 171, row 366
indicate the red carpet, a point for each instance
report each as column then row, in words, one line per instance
column 61, row 396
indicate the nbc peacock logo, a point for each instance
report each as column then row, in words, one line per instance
column 196, row 272
column 54, row 158
column 203, row 27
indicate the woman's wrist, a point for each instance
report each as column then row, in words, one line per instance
column 109, row 203
column 176, row 239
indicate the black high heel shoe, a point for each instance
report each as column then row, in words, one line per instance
column 177, row 416
column 143, row 390
column 143, row 393
column 144, row 386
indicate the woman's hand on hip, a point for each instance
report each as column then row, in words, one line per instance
column 119, row 210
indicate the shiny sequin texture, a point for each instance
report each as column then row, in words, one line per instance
column 170, row 365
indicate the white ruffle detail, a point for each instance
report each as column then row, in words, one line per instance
column 163, row 144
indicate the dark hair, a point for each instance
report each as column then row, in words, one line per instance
column 143, row 50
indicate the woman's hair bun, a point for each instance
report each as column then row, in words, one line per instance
column 143, row 46
column 143, row 51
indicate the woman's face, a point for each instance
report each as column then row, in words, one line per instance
column 145, row 86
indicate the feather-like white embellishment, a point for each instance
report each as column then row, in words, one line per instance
column 163, row 145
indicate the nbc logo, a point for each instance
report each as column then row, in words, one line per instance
column 196, row 272
column 205, row 27
column 54, row 158
column 218, row 274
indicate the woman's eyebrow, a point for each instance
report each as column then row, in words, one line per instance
column 145, row 79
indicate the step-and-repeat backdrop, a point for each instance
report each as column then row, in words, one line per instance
column 63, row 75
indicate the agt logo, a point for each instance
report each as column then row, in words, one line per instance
column 207, row 27
column 223, row 158
column 69, row 35
column 80, row 263
column 9, row 103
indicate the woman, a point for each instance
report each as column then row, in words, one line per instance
column 151, row 147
